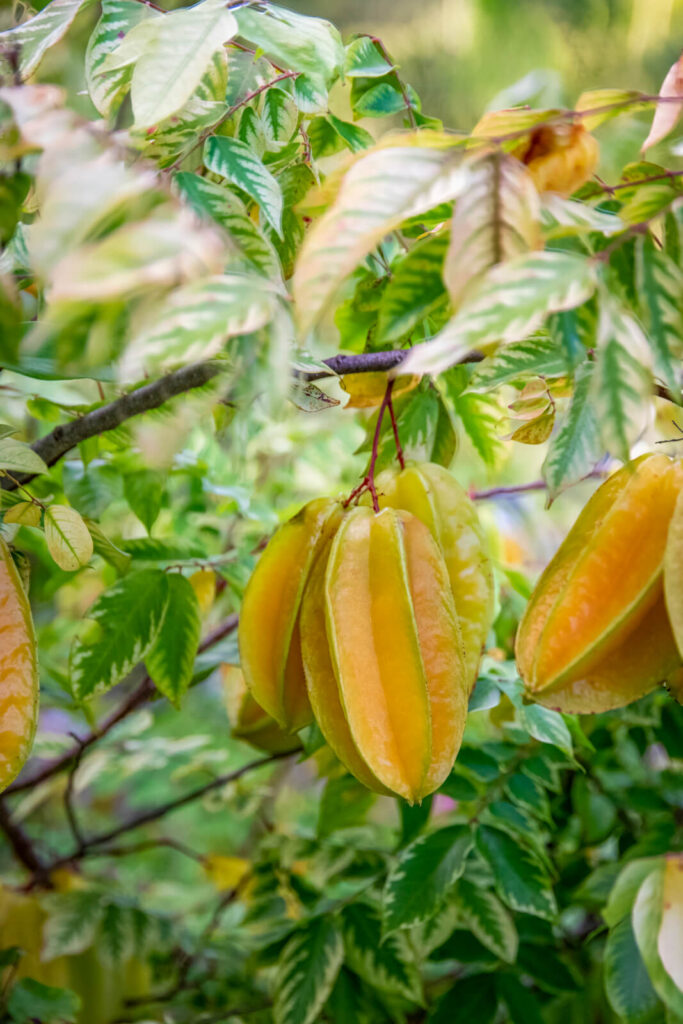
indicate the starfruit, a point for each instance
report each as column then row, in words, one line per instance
column 18, row 671
column 382, row 652
column 429, row 492
column 248, row 720
column 269, row 637
column 595, row 634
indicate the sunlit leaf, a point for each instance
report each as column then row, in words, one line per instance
column 496, row 219
column 667, row 114
column 68, row 538
column 510, row 303
column 382, row 188
column 107, row 90
column 18, row 457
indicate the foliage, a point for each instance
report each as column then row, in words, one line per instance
column 190, row 256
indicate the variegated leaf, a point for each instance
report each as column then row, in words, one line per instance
column 521, row 880
column 170, row 660
column 209, row 199
column 235, row 162
column 197, row 320
column 536, row 356
column 34, row 37
column 576, row 446
column 562, row 217
column 495, row 219
column 170, row 57
column 107, row 89
column 131, row 613
column 487, row 919
column 414, row 290
column 654, row 896
column 294, row 41
column 307, row 970
column 660, row 285
column 426, row 870
column 384, row 186
column 387, row 965
column 510, row 303
column 622, row 383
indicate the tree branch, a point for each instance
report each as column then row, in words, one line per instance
column 368, row 362
column 20, row 842
column 66, row 436
column 154, row 813
column 139, row 696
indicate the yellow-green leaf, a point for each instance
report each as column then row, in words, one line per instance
column 68, row 538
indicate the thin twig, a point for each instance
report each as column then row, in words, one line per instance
column 154, row 813
column 397, row 439
column 140, row 695
column 203, row 136
column 21, row 844
column 147, row 844
column 534, row 485
column 66, row 436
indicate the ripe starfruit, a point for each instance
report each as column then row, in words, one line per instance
column 382, row 652
column 269, row 636
column 595, row 634
column 429, row 492
column 248, row 719
column 18, row 671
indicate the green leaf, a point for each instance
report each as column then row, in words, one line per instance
column 220, row 204
column 423, row 875
column 553, row 974
column 426, row 429
column 364, row 59
column 621, row 385
column 576, row 446
column 106, row 549
column 521, row 1003
column 382, row 188
column 18, row 457
column 413, row 818
column 307, row 969
column 511, row 302
column 353, row 136
column 115, row 938
column 546, row 726
column 480, row 417
column 294, row 41
column 235, row 162
column 627, row 984
column 380, row 100
column 107, row 90
column 473, row 998
column 385, row 964
column 529, row 795
column 660, row 286
column 31, row 1001
column 68, row 538
column 171, row 54
column 487, row 919
column 625, row 890
column 536, row 357
column 415, row 289
column 324, row 138
column 170, row 660
column 144, row 491
column 521, row 880
column 647, row 921
column 34, row 37
column 72, row 922
column 279, row 117
column 130, row 614
column 496, row 219
column 344, row 804
column 566, row 217
column 197, row 320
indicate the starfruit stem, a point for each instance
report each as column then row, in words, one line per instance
column 368, row 481
column 397, row 439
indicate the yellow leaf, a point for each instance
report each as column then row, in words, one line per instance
column 529, row 408
column 367, row 389
column 24, row 513
column 226, row 872
column 68, row 538
column 204, row 585
column 535, row 431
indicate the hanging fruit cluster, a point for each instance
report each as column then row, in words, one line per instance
column 604, row 624
column 18, row 671
column 371, row 620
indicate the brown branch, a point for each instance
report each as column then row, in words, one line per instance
column 368, row 362
column 20, row 842
column 139, row 696
column 66, row 436
column 154, row 813
column 534, row 485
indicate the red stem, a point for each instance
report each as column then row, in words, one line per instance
column 397, row 439
column 370, row 478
